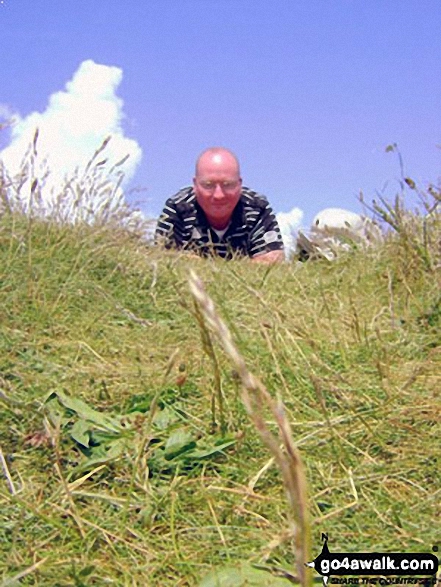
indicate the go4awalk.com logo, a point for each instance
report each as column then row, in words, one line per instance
column 375, row 564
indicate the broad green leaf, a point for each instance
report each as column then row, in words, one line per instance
column 87, row 413
column 54, row 413
column 203, row 452
column 177, row 443
column 243, row 575
column 164, row 418
column 116, row 448
column 80, row 432
column 101, row 454
column 106, row 452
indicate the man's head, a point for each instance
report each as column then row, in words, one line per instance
column 217, row 185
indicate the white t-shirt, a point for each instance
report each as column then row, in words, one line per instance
column 220, row 233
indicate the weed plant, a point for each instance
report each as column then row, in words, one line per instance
column 126, row 453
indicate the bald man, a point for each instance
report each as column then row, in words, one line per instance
column 219, row 216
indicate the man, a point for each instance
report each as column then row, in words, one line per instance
column 217, row 215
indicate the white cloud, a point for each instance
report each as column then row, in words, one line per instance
column 74, row 124
column 6, row 112
column 289, row 223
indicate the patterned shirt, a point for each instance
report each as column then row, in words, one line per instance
column 253, row 227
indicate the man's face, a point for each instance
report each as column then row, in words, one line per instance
column 217, row 186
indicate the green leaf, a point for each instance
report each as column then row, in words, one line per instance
column 80, row 432
column 177, row 443
column 86, row 571
column 101, row 454
column 116, row 448
column 85, row 412
column 164, row 418
column 243, row 575
column 202, row 453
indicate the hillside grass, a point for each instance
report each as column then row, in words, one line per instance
column 352, row 348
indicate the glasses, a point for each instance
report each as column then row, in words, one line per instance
column 225, row 186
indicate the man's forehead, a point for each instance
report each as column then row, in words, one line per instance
column 218, row 164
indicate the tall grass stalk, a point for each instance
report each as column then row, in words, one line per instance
column 256, row 399
column 217, row 397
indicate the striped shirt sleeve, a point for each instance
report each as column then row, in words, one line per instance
column 170, row 228
column 265, row 235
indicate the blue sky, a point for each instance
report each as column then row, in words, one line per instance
column 308, row 93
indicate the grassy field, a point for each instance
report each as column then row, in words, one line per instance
column 127, row 456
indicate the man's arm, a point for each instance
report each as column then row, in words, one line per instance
column 269, row 258
column 266, row 244
column 168, row 226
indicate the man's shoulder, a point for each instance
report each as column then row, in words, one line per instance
column 183, row 202
column 184, row 195
column 253, row 200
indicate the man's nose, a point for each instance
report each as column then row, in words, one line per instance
column 218, row 194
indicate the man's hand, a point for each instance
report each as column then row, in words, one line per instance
column 269, row 258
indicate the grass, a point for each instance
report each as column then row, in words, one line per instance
column 92, row 313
